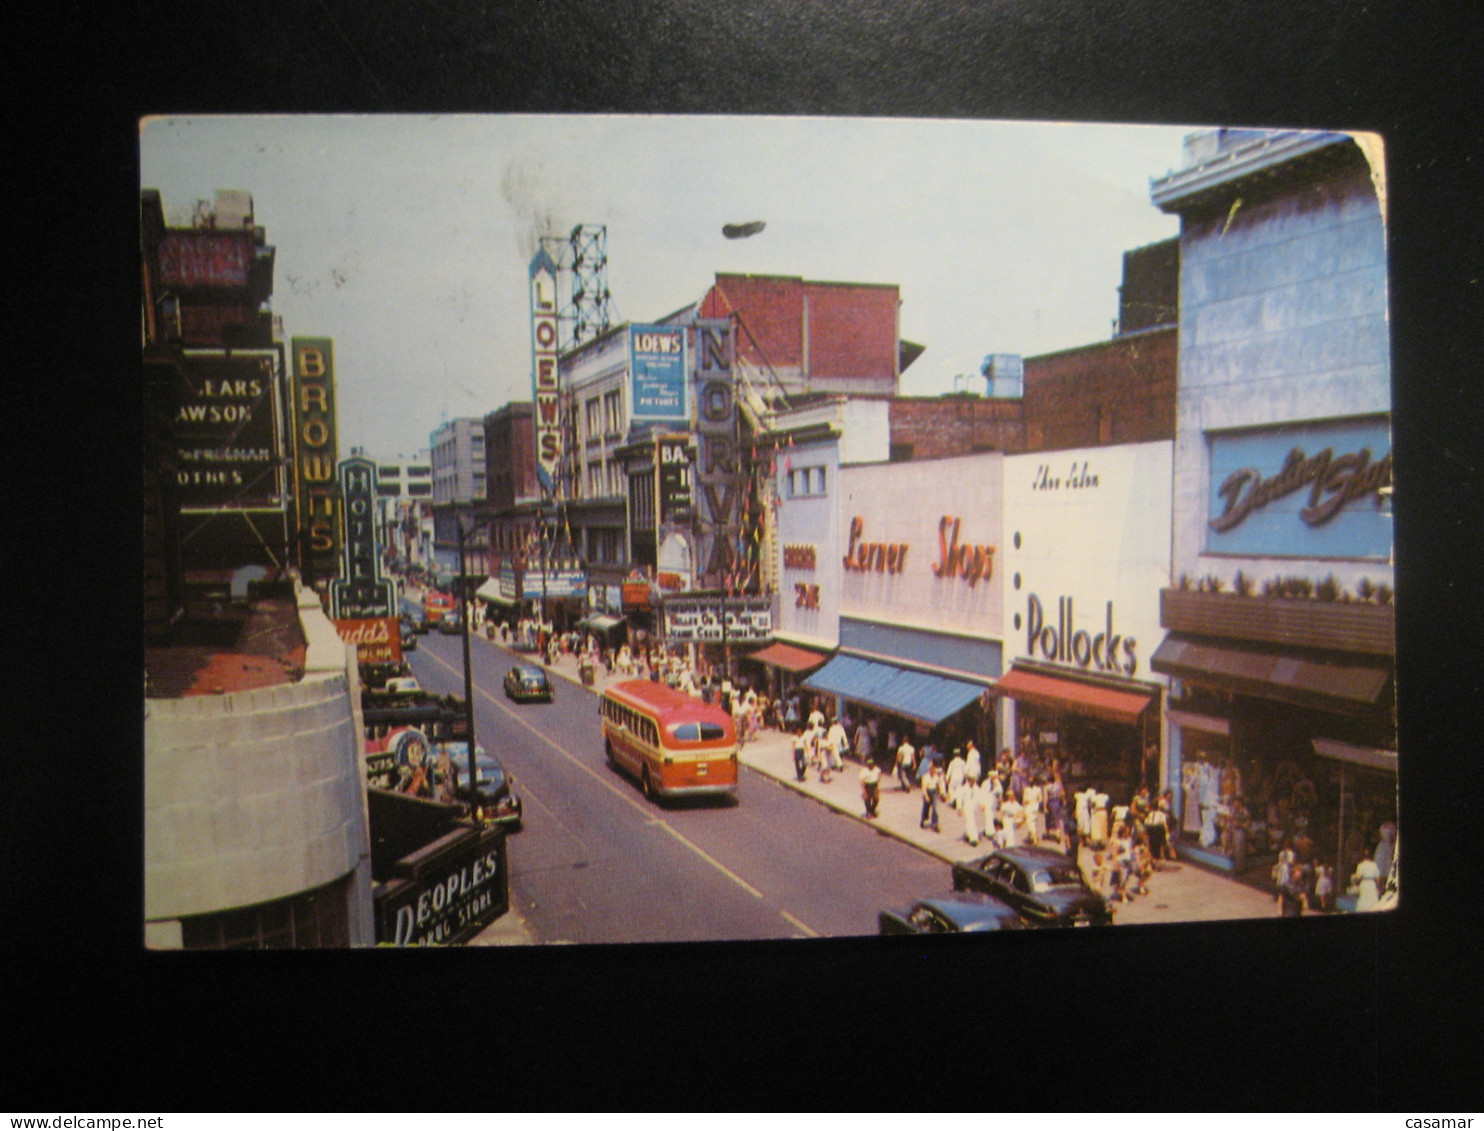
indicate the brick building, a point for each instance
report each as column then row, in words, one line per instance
column 839, row 338
column 1121, row 391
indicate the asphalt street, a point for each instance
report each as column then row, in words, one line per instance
column 597, row 863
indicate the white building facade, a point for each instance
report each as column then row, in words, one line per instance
column 1281, row 630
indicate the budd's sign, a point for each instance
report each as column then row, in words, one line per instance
column 378, row 640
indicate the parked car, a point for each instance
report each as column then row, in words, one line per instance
column 968, row 912
column 450, row 624
column 409, row 637
column 526, row 681
column 494, row 799
column 403, row 685
column 415, row 620
column 1043, row 885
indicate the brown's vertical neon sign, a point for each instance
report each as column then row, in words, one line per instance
column 315, row 455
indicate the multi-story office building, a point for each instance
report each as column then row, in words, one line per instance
column 457, row 452
column 404, row 507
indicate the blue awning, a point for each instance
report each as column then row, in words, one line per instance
column 914, row 695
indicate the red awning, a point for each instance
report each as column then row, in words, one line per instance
column 1069, row 695
column 789, row 658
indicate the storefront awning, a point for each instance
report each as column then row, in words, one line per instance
column 1328, row 683
column 914, row 695
column 788, row 657
column 1356, row 755
column 490, row 591
column 600, row 622
column 1069, row 695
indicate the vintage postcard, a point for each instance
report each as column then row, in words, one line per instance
column 635, row 529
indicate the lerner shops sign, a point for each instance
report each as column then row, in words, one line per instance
column 964, row 561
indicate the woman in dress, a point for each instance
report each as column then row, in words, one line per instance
column 1035, row 818
column 1099, row 832
column 1366, row 885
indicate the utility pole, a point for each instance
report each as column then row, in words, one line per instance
column 468, row 673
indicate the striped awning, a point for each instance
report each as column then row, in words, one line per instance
column 1088, row 699
column 788, row 657
column 911, row 694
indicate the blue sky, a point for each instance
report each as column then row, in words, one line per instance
column 406, row 238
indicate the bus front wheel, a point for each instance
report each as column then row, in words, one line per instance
column 608, row 752
column 648, row 785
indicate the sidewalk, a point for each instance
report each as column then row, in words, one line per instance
column 1178, row 892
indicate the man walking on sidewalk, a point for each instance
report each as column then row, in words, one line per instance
column 932, row 790
column 871, row 787
column 905, row 763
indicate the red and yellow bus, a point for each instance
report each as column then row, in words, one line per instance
column 675, row 745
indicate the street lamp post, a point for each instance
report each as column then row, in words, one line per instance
column 468, row 676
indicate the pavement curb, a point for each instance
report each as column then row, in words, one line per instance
column 1183, row 895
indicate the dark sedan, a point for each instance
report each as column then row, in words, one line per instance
column 526, row 681
column 451, row 624
column 495, row 801
column 1044, row 886
column 409, row 637
column 962, row 914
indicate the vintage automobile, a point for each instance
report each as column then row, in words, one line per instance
column 413, row 619
column 1043, row 885
column 494, row 800
column 526, row 681
column 409, row 637
column 965, row 913
column 450, row 624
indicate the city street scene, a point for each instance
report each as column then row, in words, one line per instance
column 596, row 529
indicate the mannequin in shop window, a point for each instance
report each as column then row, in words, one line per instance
column 1190, row 792
column 1210, row 799
column 1385, row 849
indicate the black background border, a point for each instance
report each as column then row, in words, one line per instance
column 1361, row 1013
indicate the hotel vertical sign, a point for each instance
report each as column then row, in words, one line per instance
column 545, row 389
column 315, row 455
column 360, row 592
